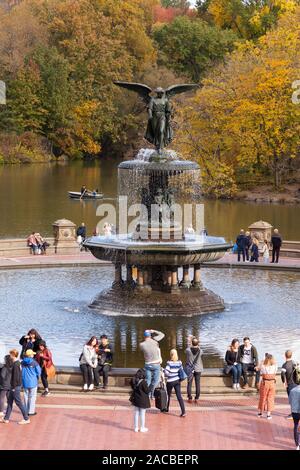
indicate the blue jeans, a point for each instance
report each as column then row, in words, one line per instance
column 15, row 396
column 152, row 376
column 236, row 373
column 30, row 399
column 139, row 413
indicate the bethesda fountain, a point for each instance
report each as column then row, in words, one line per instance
column 158, row 263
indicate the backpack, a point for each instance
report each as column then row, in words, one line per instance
column 296, row 374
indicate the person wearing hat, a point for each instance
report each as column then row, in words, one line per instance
column 31, row 373
column 152, row 357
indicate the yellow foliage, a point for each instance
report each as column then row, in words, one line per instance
column 243, row 118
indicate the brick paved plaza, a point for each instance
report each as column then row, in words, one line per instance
column 95, row 421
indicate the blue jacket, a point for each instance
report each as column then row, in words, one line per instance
column 294, row 399
column 31, row 372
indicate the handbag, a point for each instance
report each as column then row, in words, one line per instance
column 182, row 375
column 51, row 371
column 227, row 369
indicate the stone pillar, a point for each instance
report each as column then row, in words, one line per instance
column 186, row 282
column 262, row 231
column 140, row 278
column 64, row 232
column 118, row 276
column 174, row 282
column 129, row 279
column 197, row 284
column 169, row 278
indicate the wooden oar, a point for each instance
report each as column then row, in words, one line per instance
column 83, row 194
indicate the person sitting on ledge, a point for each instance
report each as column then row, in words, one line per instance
column 249, row 360
column 233, row 363
column 42, row 244
column 88, row 362
column 105, row 359
column 32, row 243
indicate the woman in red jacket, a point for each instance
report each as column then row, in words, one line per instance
column 44, row 359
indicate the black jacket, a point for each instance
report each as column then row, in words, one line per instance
column 241, row 242
column 276, row 241
column 140, row 394
column 81, row 231
column 254, row 355
column 254, row 251
column 5, row 377
column 287, row 372
column 105, row 357
column 231, row 357
column 16, row 376
column 28, row 345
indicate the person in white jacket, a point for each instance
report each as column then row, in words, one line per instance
column 88, row 362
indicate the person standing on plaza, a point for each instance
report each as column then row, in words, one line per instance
column 140, row 399
column 30, row 341
column 88, row 362
column 241, row 242
column 44, row 359
column 233, row 365
column 249, row 360
column 31, row 373
column 266, row 252
column 172, row 373
column 276, row 245
column 254, row 251
column 287, row 373
column 248, row 245
column 5, row 382
column 194, row 361
column 14, row 394
column 267, row 387
column 152, row 357
column 105, row 359
column 294, row 399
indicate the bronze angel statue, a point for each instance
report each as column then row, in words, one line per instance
column 159, row 131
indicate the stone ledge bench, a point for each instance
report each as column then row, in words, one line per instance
column 213, row 381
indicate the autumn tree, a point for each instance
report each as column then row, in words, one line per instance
column 243, row 119
column 190, row 46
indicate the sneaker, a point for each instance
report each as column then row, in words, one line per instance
column 24, row 421
column 183, row 415
column 234, row 386
column 136, row 429
column 4, row 421
column 298, row 448
column 85, row 387
column 32, row 414
column 91, row 387
column 269, row 417
column 144, row 429
column 289, row 417
column 238, row 386
column 260, row 415
column 45, row 393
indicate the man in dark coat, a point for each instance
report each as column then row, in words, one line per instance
column 276, row 245
column 241, row 242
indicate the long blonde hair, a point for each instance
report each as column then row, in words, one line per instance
column 269, row 360
column 173, row 355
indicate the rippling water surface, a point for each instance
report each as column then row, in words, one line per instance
column 260, row 304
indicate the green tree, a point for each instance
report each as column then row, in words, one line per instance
column 191, row 46
column 182, row 4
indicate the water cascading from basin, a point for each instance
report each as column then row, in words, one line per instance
column 161, row 272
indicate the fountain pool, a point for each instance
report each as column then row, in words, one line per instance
column 261, row 304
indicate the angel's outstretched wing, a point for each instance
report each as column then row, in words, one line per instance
column 176, row 89
column 143, row 90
